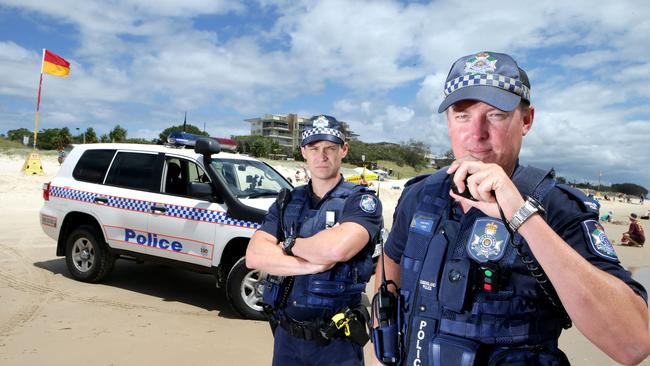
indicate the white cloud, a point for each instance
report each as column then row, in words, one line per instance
column 380, row 64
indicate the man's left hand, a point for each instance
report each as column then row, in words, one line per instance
column 488, row 184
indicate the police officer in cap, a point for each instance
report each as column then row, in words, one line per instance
column 317, row 247
column 493, row 258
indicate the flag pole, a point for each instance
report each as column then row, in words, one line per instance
column 38, row 101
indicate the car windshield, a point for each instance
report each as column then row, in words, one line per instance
column 250, row 178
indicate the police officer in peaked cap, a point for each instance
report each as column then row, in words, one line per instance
column 494, row 259
column 317, row 246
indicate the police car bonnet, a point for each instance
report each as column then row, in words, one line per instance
column 322, row 128
column 489, row 77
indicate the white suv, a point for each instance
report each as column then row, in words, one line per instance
column 192, row 209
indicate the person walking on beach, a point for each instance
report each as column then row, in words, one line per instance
column 494, row 259
column 321, row 240
column 634, row 235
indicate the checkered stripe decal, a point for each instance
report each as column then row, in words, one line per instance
column 182, row 212
column 322, row 131
column 199, row 214
column 503, row 82
column 72, row 194
column 129, row 204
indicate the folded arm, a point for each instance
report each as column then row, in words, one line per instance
column 265, row 254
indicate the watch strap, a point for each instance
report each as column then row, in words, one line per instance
column 528, row 209
column 287, row 245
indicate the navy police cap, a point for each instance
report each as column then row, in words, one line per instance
column 489, row 77
column 321, row 128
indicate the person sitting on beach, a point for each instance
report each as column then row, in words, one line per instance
column 634, row 235
column 607, row 216
column 363, row 181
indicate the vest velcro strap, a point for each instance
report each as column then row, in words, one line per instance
column 495, row 330
column 335, row 287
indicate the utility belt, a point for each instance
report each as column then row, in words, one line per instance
column 346, row 323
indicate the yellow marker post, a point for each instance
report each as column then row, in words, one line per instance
column 33, row 164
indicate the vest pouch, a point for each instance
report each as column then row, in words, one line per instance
column 385, row 340
column 528, row 356
column 449, row 350
column 271, row 293
column 455, row 284
column 421, row 331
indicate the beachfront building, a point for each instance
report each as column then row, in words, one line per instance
column 286, row 129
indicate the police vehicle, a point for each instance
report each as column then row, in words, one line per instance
column 195, row 209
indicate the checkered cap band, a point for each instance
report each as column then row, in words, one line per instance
column 503, row 82
column 323, row 131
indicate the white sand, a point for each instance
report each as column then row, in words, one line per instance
column 149, row 314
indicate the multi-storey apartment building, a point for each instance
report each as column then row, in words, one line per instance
column 286, row 129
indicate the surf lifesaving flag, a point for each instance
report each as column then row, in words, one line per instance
column 55, row 64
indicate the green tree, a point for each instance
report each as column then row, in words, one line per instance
column 630, row 188
column 104, row 138
column 17, row 134
column 117, row 134
column 415, row 153
column 53, row 138
column 258, row 146
column 91, row 136
column 162, row 137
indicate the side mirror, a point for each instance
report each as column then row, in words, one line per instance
column 202, row 191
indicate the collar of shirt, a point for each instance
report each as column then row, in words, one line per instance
column 315, row 201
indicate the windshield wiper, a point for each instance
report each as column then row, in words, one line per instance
column 261, row 194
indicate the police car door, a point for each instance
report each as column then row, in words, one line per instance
column 125, row 204
column 184, row 226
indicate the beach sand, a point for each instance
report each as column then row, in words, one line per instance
column 152, row 314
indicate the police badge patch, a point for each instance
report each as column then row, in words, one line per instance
column 600, row 243
column 481, row 63
column 488, row 240
column 320, row 122
column 368, row 203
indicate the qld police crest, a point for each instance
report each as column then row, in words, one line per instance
column 600, row 243
column 481, row 63
column 488, row 240
column 321, row 122
column 368, row 203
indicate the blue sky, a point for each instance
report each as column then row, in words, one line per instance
column 380, row 65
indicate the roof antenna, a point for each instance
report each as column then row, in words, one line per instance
column 185, row 121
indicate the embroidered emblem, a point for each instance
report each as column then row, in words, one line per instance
column 368, row 203
column 321, row 122
column 488, row 240
column 482, row 63
column 600, row 243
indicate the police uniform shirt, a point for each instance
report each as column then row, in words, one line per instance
column 356, row 210
column 574, row 221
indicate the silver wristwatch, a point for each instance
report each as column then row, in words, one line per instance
column 530, row 207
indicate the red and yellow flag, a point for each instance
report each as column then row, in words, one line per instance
column 55, row 65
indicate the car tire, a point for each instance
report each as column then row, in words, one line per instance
column 244, row 290
column 87, row 255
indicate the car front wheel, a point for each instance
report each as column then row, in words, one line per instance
column 244, row 288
